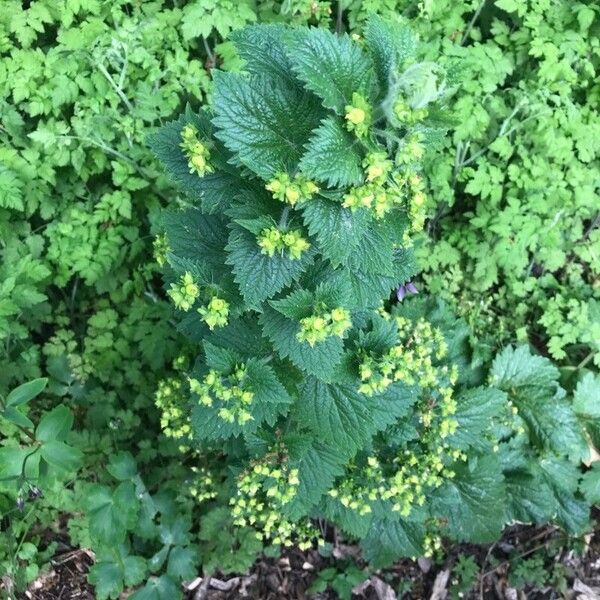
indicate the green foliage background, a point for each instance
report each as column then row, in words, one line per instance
column 514, row 242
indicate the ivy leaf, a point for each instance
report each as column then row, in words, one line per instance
column 333, row 156
column 331, row 66
column 260, row 276
column 473, row 502
column 257, row 119
column 319, row 360
column 391, row 539
column 476, row 409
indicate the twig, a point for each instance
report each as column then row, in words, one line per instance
column 202, row 591
column 472, row 22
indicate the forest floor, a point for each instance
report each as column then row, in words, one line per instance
column 527, row 563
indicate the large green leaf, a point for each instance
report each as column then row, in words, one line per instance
column 26, row 392
column 259, row 276
column 517, row 367
column 331, row 66
column 473, row 502
column 337, row 414
column 476, row 409
column 264, row 120
column 319, row 360
column 338, row 230
column 391, row 539
column 529, row 499
column 333, row 156
column 586, row 400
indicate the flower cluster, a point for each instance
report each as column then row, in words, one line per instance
column 319, row 327
column 195, row 151
column 412, row 150
column 174, row 418
column 377, row 166
column 185, row 292
column 291, row 191
column 160, row 247
column 203, row 487
column 410, row 361
column 262, row 492
column 358, row 115
column 272, row 240
column 407, row 115
column 231, row 390
column 215, row 313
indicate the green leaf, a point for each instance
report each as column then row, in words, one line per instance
column 183, row 563
column 337, row 414
column 338, row 230
column 319, row 360
column 517, row 367
column 55, row 424
column 390, row 44
column 331, row 66
column 17, row 417
column 473, row 502
column 318, row 465
column 391, row 539
column 107, row 579
column 26, row 392
column 122, row 466
column 476, row 409
column 586, row 400
column 529, row 499
column 269, row 402
column 563, row 479
column 257, row 119
column 59, row 455
column 333, row 156
column 590, row 484
column 158, row 588
column 507, row 5
column 111, row 514
column 260, row 276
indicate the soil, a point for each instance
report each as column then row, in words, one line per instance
column 572, row 571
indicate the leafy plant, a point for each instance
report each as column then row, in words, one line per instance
column 304, row 194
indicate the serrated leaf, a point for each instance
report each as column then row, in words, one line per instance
column 590, row 484
column 348, row 520
column 390, row 45
column 563, row 479
column 476, row 409
column 333, row 156
column 265, row 121
column 586, row 399
column 183, row 563
column 517, row 367
column 213, row 191
column 107, row 580
column 319, row 360
column 529, row 499
column 473, row 502
column 269, row 402
column 331, row 66
column 318, row 465
column 337, row 414
column 338, row 230
column 259, row 276
column 391, row 539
